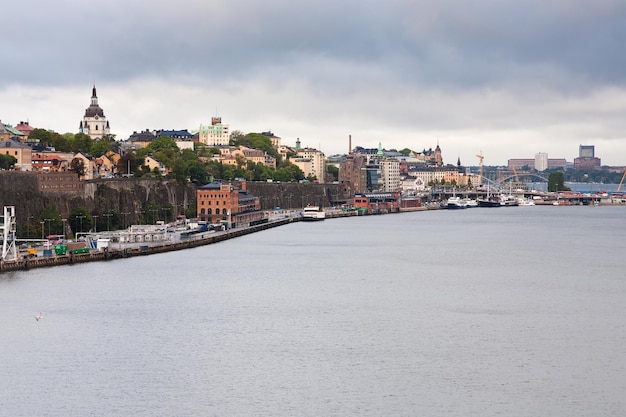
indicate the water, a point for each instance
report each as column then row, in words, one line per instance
column 509, row 311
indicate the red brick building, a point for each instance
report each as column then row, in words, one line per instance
column 224, row 203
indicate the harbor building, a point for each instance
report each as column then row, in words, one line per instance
column 222, row 203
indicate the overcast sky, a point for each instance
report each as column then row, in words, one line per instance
column 510, row 78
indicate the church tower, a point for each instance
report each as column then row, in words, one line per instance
column 94, row 123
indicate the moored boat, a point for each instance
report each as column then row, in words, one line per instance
column 313, row 213
column 456, row 203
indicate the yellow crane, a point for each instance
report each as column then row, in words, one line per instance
column 515, row 173
column 480, row 174
column 619, row 187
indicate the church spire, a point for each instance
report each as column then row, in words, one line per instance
column 94, row 97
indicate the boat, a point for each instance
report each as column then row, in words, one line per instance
column 469, row 203
column 313, row 213
column 492, row 201
column 525, row 201
column 509, row 201
column 456, row 203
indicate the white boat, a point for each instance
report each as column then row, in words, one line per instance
column 525, row 201
column 469, row 203
column 509, row 201
column 313, row 213
column 456, row 203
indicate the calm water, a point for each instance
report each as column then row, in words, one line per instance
column 480, row 312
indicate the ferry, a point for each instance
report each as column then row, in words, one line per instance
column 313, row 213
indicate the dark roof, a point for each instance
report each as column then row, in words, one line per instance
column 92, row 111
column 175, row 134
column 145, row 136
column 211, row 186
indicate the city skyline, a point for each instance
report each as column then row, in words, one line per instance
column 507, row 79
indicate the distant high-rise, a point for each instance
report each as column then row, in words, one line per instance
column 541, row 161
column 586, row 158
column 586, row 151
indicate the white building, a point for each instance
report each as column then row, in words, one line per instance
column 94, row 123
column 311, row 162
column 390, row 172
column 217, row 134
column 541, row 161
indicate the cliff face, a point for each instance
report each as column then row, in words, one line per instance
column 132, row 197
column 295, row 195
column 141, row 199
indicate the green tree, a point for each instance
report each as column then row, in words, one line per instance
column 105, row 144
column 7, row 161
column 52, row 220
column 44, row 136
column 80, row 220
column 556, row 182
column 127, row 163
column 333, row 173
column 82, row 143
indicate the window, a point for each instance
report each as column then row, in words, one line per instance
column 209, row 211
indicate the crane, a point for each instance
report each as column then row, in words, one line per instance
column 480, row 175
column 619, row 187
column 515, row 173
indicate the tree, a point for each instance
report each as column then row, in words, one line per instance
column 556, row 182
column 82, row 143
column 7, row 161
column 127, row 164
column 78, row 166
column 105, row 144
column 333, row 173
column 80, row 220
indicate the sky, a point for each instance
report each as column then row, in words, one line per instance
column 506, row 78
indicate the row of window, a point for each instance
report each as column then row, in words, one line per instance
column 217, row 203
column 210, row 212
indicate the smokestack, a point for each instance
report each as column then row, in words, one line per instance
column 349, row 144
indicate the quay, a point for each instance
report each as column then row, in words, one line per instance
column 142, row 250
column 120, row 251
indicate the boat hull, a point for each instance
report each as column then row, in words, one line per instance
column 488, row 203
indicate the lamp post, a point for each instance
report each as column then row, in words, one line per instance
column 124, row 214
column 28, row 226
column 81, row 222
column 49, row 221
column 42, row 224
column 95, row 223
column 108, row 216
column 165, row 210
column 64, row 229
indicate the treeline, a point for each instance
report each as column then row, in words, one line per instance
column 197, row 165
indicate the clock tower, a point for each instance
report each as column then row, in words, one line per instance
column 94, row 123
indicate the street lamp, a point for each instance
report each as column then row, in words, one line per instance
column 108, row 216
column 42, row 224
column 49, row 221
column 165, row 209
column 95, row 223
column 64, row 220
column 28, row 226
column 81, row 222
column 124, row 214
